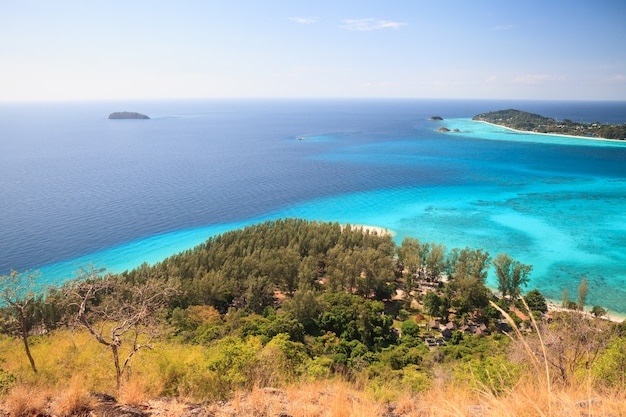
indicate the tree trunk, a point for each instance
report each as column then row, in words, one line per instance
column 25, row 340
column 118, row 370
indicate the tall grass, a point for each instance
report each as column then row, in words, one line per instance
column 72, row 364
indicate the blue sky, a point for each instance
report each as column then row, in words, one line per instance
column 77, row 50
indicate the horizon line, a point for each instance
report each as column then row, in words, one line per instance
column 289, row 98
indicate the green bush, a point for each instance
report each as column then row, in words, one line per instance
column 398, row 357
column 318, row 368
column 414, row 380
column 234, row 361
column 609, row 369
column 410, row 328
column 7, row 380
column 281, row 360
column 493, row 373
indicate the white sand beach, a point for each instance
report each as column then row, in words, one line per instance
column 611, row 316
column 379, row 230
column 551, row 134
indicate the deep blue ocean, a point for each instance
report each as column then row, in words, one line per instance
column 77, row 188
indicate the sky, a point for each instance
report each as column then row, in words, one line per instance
column 152, row 49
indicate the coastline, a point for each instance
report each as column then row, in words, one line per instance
column 551, row 134
column 382, row 231
column 553, row 306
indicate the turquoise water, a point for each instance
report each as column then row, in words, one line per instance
column 554, row 202
column 554, row 227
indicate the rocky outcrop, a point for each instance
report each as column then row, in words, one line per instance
column 435, row 118
column 127, row 115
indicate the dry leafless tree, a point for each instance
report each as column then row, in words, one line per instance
column 118, row 314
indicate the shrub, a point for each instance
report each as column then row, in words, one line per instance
column 280, row 360
column 609, row 369
column 400, row 356
column 234, row 361
column 403, row 314
column 410, row 328
column 318, row 368
column 7, row 380
column 414, row 380
column 493, row 373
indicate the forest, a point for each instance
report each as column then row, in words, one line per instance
column 520, row 120
column 291, row 302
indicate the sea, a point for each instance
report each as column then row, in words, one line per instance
column 78, row 189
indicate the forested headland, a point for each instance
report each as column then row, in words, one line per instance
column 530, row 122
column 294, row 303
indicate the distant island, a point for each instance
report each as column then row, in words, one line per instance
column 127, row 115
column 435, row 118
column 444, row 129
column 530, row 122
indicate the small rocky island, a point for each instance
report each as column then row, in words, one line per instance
column 435, row 118
column 127, row 115
column 444, row 129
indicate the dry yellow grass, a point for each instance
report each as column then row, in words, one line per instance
column 528, row 398
column 72, row 364
column 330, row 399
column 73, row 400
column 134, row 391
column 24, row 400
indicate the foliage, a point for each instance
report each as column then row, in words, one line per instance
column 511, row 274
column 397, row 357
column 7, row 380
column 574, row 342
column 583, row 290
column 17, row 292
column 306, row 307
column 410, row 328
column 282, row 361
column 469, row 264
column 521, row 120
column 493, row 373
column 116, row 313
column 598, row 311
column 355, row 318
column 536, row 301
column 610, row 368
column 234, row 362
column 432, row 304
column 292, row 301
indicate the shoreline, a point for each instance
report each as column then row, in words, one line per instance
column 551, row 134
column 553, row 306
column 382, row 231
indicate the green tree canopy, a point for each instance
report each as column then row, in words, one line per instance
column 536, row 301
column 511, row 274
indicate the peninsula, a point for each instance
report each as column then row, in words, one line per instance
column 530, row 122
column 127, row 115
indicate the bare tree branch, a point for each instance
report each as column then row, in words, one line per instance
column 123, row 313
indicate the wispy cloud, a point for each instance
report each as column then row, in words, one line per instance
column 536, row 78
column 618, row 79
column 499, row 28
column 365, row 25
column 303, row 20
